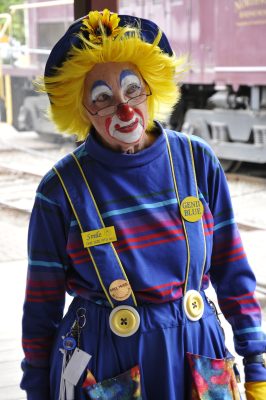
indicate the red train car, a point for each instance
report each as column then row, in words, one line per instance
column 224, row 92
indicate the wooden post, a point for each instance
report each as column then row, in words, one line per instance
column 8, row 99
column 82, row 8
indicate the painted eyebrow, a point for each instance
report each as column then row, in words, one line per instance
column 127, row 72
column 99, row 83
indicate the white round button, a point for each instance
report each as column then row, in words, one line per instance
column 124, row 320
column 193, row 305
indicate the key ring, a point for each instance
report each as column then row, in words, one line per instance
column 81, row 317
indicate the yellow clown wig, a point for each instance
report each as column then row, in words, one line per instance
column 101, row 38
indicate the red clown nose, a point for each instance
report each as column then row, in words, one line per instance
column 125, row 112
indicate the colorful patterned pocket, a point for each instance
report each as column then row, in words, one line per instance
column 212, row 378
column 125, row 386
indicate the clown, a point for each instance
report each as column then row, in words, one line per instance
column 121, row 122
column 134, row 224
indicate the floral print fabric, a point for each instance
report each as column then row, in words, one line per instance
column 212, row 378
column 125, row 386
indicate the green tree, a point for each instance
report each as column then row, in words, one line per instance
column 17, row 30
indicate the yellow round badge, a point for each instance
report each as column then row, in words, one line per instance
column 191, row 209
column 120, row 289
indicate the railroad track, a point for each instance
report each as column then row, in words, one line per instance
column 248, row 195
column 17, row 189
column 21, row 169
column 249, row 183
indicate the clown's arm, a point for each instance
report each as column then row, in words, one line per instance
column 45, row 291
column 230, row 272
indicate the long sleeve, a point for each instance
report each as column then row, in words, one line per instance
column 230, row 272
column 45, row 292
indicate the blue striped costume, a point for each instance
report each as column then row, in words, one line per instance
column 135, row 193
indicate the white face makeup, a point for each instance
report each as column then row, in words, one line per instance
column 127, row 124
column 112, row 91
column 130, row 83
column 129, row 131
column 101, row 93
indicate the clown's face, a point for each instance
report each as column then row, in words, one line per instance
column 108, row 89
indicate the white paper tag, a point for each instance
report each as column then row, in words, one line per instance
column 76, row 366
column 70, row 391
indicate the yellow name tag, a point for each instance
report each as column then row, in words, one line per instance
column 99, row 236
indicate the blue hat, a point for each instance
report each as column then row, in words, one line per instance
column 59, row 53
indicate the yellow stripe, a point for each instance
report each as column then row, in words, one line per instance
column 81, row 229
column 202, row 227
column 103, row 225
column 183, row 223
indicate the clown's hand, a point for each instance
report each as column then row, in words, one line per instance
column 255, row 372
column 255, row 390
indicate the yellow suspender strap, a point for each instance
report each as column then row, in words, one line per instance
column 201, row 221
column 182, row 219
column 103, row 225
column 82, row 230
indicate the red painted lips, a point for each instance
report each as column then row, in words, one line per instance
column 128, row 128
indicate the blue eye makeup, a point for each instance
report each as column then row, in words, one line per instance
column 130, row 83
column 128, row 77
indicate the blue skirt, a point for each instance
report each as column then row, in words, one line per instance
column 159, row 348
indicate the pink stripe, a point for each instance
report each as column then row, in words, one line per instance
column 228, row 253
column 238, row 304
column 32, row 300
column 83, row 260
column 208, row 225
column 175, row 284
column 207, row 216
column 249, row 294
column 44, row 339
column 40, row 284
column 229, row 260
column 43, row 292
column 143, row 228
column 254, row 310
column 227, row 244
column 75, row 245
column 148, row 244
column 178, row 294
column 149, row 237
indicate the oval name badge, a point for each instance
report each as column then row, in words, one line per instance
column 120, row 289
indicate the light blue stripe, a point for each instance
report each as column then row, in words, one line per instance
column 46, row 264
column 224, row 223
column 140, row 207
column 42, row 197
column 248, row 330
